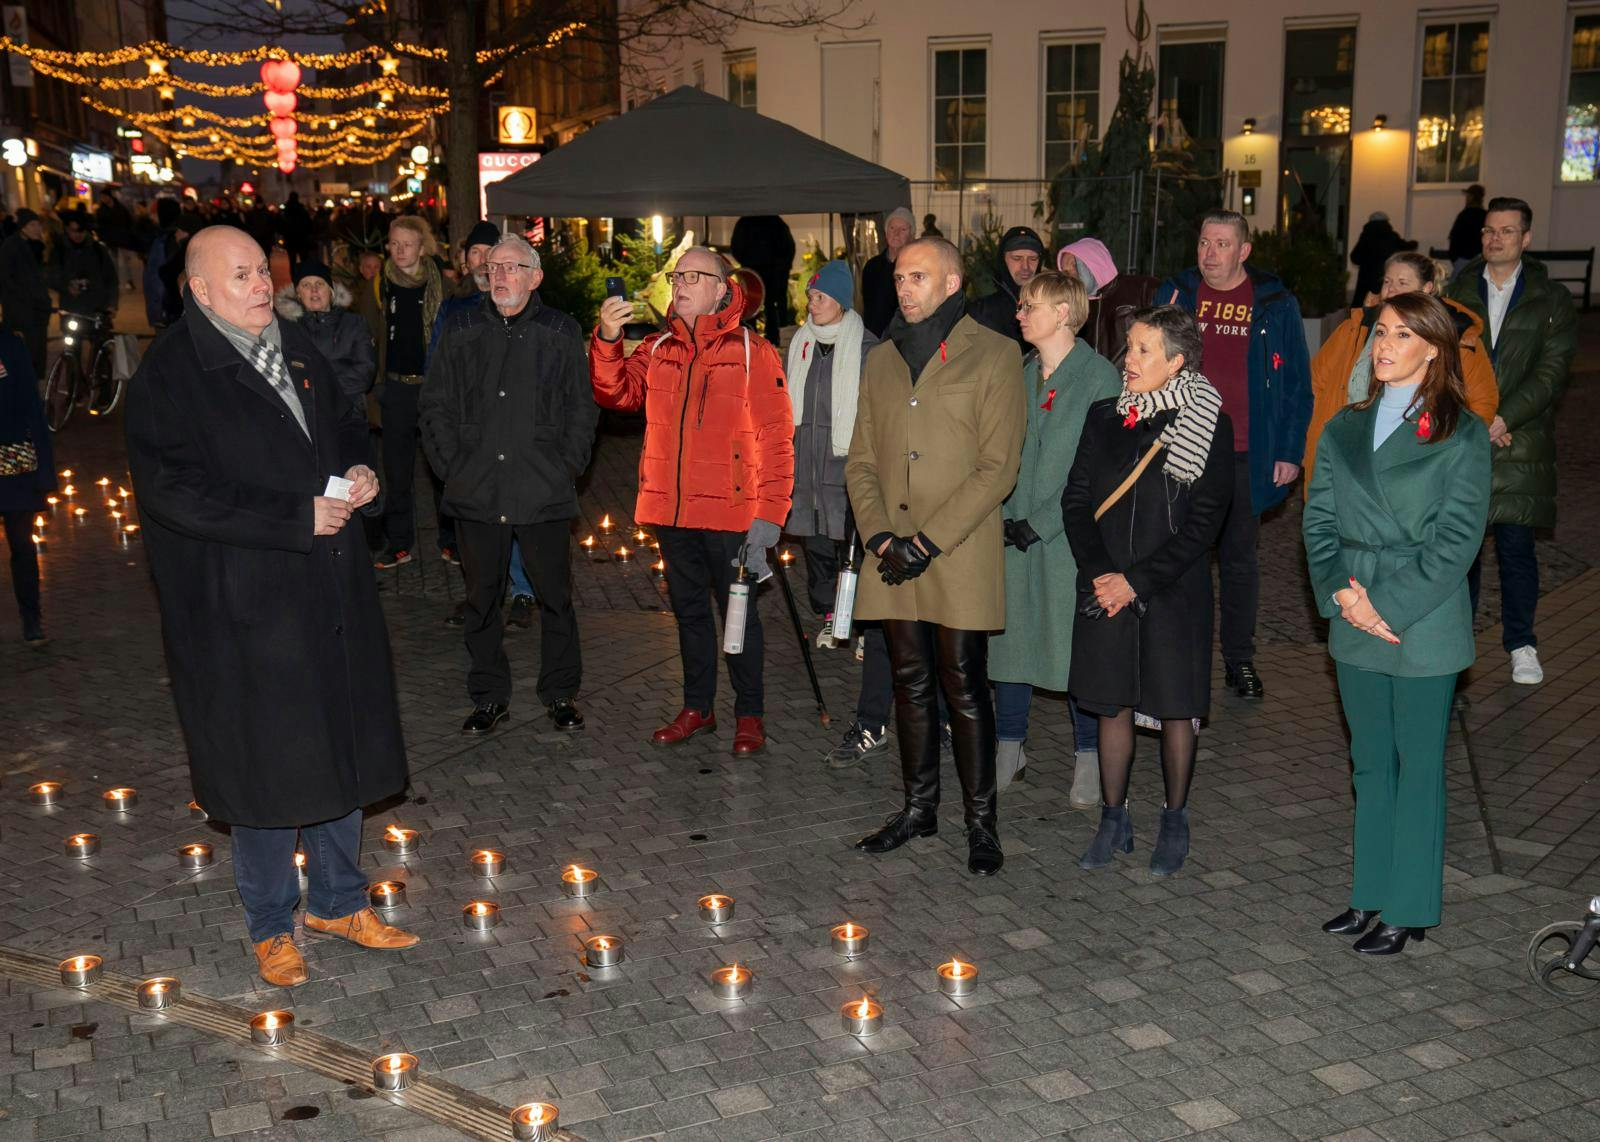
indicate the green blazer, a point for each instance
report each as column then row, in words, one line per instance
column 1407, row 522
column 1042, row 582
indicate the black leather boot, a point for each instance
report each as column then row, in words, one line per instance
column 964, row 674
column 898, row 829
column 917, row 725
column 1350, row 922
column 1386, row 940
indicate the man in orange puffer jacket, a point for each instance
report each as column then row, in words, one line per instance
column 716, row 473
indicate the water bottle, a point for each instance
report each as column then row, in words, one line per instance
column 844, row 596
column 738, row 610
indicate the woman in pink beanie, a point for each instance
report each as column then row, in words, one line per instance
column 1113, row 298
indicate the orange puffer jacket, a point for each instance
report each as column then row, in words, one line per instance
column 719, row 429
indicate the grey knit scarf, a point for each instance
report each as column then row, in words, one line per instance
column 264, row 354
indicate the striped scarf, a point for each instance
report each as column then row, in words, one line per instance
column 264, row 353
column 1188, row 438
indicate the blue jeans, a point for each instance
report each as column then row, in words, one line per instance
column 1519, row 583
column 269, row 883
column 1011, row 701
column 520, row 586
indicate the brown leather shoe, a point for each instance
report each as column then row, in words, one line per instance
column 749, row 736
column 362, row 928
column 683, row 727
column 281, row 962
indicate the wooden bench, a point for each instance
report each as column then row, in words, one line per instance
column 1583, row 275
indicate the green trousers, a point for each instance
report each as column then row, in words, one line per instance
column 1398, row 728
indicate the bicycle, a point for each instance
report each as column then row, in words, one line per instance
column 67, row 387
column 1557, row 955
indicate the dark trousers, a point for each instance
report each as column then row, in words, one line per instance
column 1238, row 569
column 24, row 565
column 822, row 572
column 269, row 883
column 547, row 557
column 927, row 658
column 776, row 303
column 1519, row 583
column 877, row 678
column 400, row 437
column 699, row 566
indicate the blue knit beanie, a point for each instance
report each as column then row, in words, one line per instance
column 834, row 280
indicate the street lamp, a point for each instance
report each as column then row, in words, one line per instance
column 419, row 155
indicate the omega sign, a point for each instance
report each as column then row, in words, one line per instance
column 496, row 165
column 518, row 124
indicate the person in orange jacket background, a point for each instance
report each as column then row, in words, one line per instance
column 1341, row 372
column 716, row 474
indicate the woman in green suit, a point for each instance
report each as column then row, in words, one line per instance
column 1063, row 377
column 1393, row 520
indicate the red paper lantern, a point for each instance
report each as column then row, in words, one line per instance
column 280, row 75
column 286, row 163
column 284, row 145
column 280, row 102
column 283, row 127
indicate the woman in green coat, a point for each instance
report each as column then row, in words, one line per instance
column 1063, row 377
column 1393, row 520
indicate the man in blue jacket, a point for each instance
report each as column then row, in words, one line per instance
column 1255, row 354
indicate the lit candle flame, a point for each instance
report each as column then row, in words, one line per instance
column 157, row 988
column 588, row 541
column 480, row 909
column 66, row 473
column 580, row 874
column 112, row 502
column 130, row 528
column 715, row 901
column 103, row 481
column 52, row 500
column 849, row 931
column 394, row 1063
column 122, row 492
column 271, row 1021
column 395, row 833
column 80, row 512
column 864, row 1008
column 605, row 523
column 79, row 963
column 116, row 515
column 196, row 850
column 603, row 942
column 957, row 970
column 70, row 490
column 639, row 535
column 623, row 550
column 299, row 860
column 80, row 839
column 38, row 521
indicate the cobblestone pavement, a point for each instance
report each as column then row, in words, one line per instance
column 1110, row 1006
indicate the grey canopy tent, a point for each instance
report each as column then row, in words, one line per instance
column 691, row 153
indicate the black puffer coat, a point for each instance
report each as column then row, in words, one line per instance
column 341, row 336
column 508, row 414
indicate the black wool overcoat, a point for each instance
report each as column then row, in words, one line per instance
column 275, row 640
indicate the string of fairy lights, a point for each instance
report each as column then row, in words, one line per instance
column 341, row 134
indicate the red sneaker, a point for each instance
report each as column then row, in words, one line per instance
column 749, row 736
column 683, row 727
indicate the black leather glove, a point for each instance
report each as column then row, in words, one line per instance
column 902, row 560
column 1009, row 526
column 1022, row 534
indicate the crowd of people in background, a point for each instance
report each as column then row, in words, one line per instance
column 1031, row 484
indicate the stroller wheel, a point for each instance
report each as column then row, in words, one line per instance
column 1547, row 955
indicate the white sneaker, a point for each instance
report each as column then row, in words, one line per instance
column 1525, row 666
column 861, row 648
column 825, row 639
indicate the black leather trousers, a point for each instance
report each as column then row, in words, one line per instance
column 925, row 658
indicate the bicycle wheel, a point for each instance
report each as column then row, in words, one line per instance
column 1547, row 953
column 61, row 391
column 105, row 388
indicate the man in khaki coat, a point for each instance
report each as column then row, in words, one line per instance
column 938, row 439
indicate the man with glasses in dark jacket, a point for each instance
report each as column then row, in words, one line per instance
column 508, row 419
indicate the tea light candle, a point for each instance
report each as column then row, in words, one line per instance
column 79, row 513
column 69, row 491
column 159, row 993
column 480, row 916
column 623, row 555
column 593, row 550
column 45, row 793
column 52, row 501
column 272, row 1028
column 104, row 481
column 786, row 557
column 120, row 800
column 80, row 971
column 488, row 862
column 861, row 1017
column 536, row 1122
column 603, row 951
column 732, row 982
column 81, row 846
column 300, row 864
column 957, row 979
column 850, row 940
column 196, row 813
column 580, row 882
column 394, row 1072
column 399, row 841
column 605, row 524
column 387, row 894
column 192, row 858
column 66, row 473
column 716, row 908
column 641, row 536
column 660, row 568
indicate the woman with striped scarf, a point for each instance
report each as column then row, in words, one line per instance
column 1144, row 502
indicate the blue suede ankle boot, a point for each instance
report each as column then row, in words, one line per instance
column 1114, row 836
column 1172, row 844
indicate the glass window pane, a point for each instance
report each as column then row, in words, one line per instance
column 1058, row 67
column 1438, row 46
column 1189, row 94
column 974, row 121
column 974, row 71
column 1466, row 146
column 1472, row 49
column 1433, row 131
column 947, row 73
column 1056, row 158
column 974, row 163
column 945, row 113
column 1057, row 118
column 1580, row 144
column 946, row 164
column 1586, row 42
column 1090, row 115
column 1086, row 74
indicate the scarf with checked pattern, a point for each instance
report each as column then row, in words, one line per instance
column 264, row 354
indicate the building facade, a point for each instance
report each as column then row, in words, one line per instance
column 1332, row 109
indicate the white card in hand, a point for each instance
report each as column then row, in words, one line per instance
column 338, row 488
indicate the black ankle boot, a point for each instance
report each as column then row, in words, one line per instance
column 1386, row 940
column 1350, row 922
column 1114, row 836
column 1172, row 844
column 899, row 828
